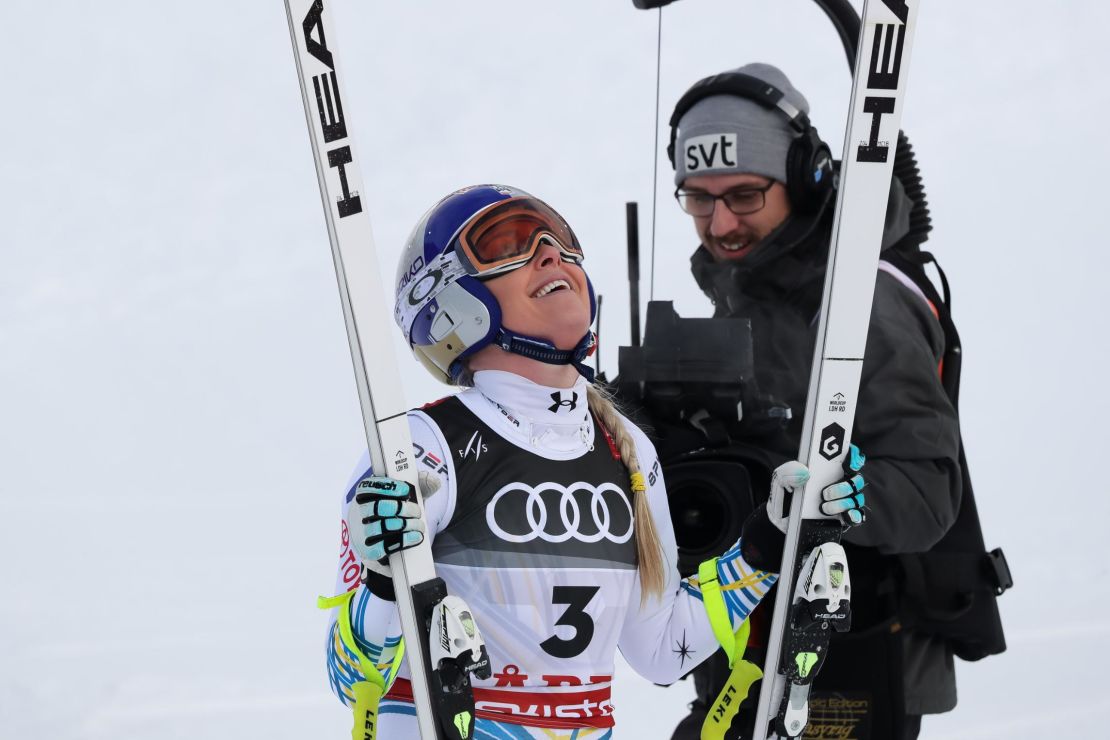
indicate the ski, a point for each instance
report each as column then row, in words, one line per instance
column 812, row 598
column 421, row 596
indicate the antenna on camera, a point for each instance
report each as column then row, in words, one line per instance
column 631, row 212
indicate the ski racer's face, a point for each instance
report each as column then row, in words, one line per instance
column 726, row 235
column 547, row 297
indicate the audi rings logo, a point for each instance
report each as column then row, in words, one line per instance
column 554, row 513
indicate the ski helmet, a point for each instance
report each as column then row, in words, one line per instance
column 445, row 311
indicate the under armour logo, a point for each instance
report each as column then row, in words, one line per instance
column 572, row 403
column 557, row 397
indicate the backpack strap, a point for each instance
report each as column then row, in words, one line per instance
column 909, row 269
column 905, row 280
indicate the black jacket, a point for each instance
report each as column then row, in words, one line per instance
column 905, row 423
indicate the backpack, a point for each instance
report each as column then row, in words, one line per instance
column 950, row 591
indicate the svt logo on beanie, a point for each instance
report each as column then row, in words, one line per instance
column 710, row 152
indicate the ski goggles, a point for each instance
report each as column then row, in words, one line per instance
column 507, row 234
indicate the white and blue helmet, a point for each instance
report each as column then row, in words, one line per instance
column 442, row 306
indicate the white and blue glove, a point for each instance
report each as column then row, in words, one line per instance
column 843, row 499
column 762, row 537
column 383, row 519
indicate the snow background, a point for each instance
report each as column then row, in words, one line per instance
column 177, row 412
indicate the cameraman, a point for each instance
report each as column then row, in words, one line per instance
column 759, row 185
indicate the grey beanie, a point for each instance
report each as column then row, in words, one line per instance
column 728, row 134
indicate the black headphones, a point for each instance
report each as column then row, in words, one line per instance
column 809, row 164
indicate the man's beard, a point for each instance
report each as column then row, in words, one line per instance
column 724, row 248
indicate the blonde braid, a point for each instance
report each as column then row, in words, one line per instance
column 648, row 549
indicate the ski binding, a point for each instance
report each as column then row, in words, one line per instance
column 822, row 601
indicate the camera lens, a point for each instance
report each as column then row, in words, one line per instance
column 709, row 500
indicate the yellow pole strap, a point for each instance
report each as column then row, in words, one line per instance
column 716, row 610
column 367, row 693
column 743, row 674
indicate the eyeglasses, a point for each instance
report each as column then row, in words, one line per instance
column 508, row 233
column 741, row 201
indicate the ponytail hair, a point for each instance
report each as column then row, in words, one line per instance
column 648, row 550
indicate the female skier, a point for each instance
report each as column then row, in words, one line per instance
column 545, row 507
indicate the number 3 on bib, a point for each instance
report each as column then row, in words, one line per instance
column 576, row 598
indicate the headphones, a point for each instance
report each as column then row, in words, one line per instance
column 809, row 163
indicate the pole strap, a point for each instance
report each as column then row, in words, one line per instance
column 367, row 693
column 742, row 673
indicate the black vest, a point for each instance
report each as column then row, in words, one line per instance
column 516, row 509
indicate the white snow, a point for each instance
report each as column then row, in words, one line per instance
column 176, row 405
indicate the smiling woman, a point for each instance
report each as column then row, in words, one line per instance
column 461, row 292
column 545, row 506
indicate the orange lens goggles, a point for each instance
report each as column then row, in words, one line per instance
column 506, row 234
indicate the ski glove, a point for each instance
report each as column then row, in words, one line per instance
column 383, row 520
column 762, row 537
column 843, row 499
